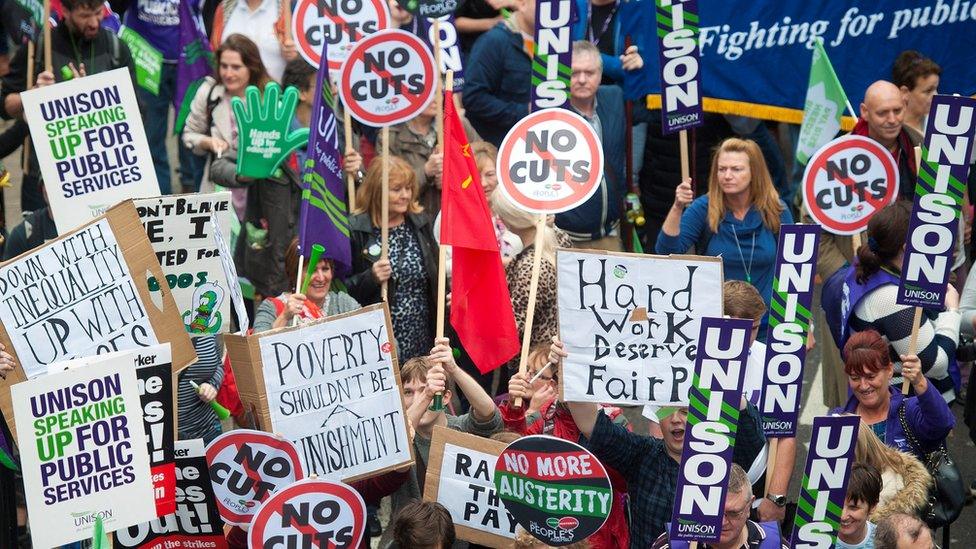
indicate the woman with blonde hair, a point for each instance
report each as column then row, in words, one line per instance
column 738, row 218
column 411, row 270
column 905, row 481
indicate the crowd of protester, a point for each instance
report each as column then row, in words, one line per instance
column 733, row 206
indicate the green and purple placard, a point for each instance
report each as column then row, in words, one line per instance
column 713, row 420
column 552, row 64
column 939, row 194
column 680, row 56
column 789, row 323
column 825, row 478
column 555, row 489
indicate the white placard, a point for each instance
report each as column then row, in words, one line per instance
column 631, row 322
column 91, row 145
column 467, row 491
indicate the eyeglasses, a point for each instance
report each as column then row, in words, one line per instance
column 738, row 514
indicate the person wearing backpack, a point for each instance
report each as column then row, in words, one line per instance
column 80, row 46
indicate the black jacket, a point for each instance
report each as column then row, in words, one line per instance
column 362, row 284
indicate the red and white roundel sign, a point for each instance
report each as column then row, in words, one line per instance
column 341, row 24
column 310, row 513
column 388, row 78
column 847, row 181
column 248, row 467
column 550, row 162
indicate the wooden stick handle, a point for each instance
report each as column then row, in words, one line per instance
column 685, row 166
column 912, row 344
column 47, row 37
column 350, row 178
column 385, row 225
column 540, row 227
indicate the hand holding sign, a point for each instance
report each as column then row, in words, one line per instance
column 266, row 138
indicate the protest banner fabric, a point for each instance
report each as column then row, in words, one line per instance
column 310, row 513
column 552, row 63
column 555, row 489
column 740, row 41
column 195, row 523
column 680, row 64
column 823, row 108
column 942, row 177
column 713, row 420
column 824, row 484
column 83, row 451
column 790, row 314
column 180, row 230
column 195, row 64
column 451, row 58
column 333, row 388
column 90, row 145
column 459, row 477
column 85, row 293
column 630, row 323
column 154, row 374
column 246, row 468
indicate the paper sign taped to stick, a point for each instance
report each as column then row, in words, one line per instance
column 83, row 294
column 310, row 513
column 942, row 177
column 83, row 451
column 246, row 468
column 90, row 144
column 459, row 477
column 335, row 27
column 630, row 323
column 181, row 232
column 196, row 522
column 680, row 64
column 825, row 479
column 333, row 388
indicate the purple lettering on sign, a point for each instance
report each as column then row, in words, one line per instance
column 939, row 192
column 677, row 33
column 713, row 419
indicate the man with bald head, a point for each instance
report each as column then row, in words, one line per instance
column 882, row 119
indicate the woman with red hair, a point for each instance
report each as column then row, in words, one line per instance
column 868, row 366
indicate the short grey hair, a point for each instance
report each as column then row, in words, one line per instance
column 738, row 479
column 581, row 47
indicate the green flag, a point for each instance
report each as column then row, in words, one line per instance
column 823, row 108
column 99, row 536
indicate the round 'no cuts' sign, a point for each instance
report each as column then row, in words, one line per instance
column 310, row 513
column 335, row 27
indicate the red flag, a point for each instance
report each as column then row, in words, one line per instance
column 481, row 308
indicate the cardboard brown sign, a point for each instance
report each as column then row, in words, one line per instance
column 86, row 293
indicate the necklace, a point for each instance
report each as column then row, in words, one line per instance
column 742, row 258
column 593, row 36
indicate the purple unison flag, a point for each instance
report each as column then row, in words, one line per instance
column 942, row 176
column 713, row 402
column 825, row 478
column 196, row 62
column 324, row 215
column 552, row 64
column 680, row 56
column 789, row 323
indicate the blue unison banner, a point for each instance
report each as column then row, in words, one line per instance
column 755, row 56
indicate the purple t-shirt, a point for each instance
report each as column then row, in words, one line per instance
column 158, row 21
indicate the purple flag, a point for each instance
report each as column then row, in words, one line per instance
column 324, row 216
column 196, row 62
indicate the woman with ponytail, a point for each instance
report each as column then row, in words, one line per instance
column 864, row 296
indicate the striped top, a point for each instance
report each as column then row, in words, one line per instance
column 195, row 418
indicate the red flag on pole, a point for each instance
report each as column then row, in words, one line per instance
column 481, row 308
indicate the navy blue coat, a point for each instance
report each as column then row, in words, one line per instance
column 496, row 83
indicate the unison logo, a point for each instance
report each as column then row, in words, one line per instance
column 86, row 518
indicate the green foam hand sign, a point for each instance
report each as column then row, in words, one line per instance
column 265, row 137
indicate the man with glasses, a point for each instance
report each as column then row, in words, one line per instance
column 737, row 530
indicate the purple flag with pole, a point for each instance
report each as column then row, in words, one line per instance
column 196, row 62
column 324, row 214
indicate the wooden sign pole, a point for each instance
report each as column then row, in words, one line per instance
column 540, row 227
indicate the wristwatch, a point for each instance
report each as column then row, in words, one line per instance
column 779, row 500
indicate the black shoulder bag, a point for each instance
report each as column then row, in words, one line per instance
column 948, row 495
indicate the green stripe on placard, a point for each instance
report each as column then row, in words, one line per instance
column 513, row 479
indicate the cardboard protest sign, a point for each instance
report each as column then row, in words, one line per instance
column 83, row 451
column 154, row 377
column 83, row 294
column 196, row 521
column 246, row 467
column 310, row 513
column 459, row 477
column 388, row 78
column 181, row 232
column 90, row 145
column 230, row 274
column 550, row 162
column 450, row 45
column 942, row 177
column 332, row 388
column 789, row 323
column 429, row 8
column 825, row 478
column 713, row 420
column 552, row 64
column 557, row 490
column 680, row 64
column 630, row 323
column 847, row 181
column 335, row 27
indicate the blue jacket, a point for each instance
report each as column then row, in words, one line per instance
column 598, row 215
column 927, row 414
column 612, row 67
column 496, row 83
